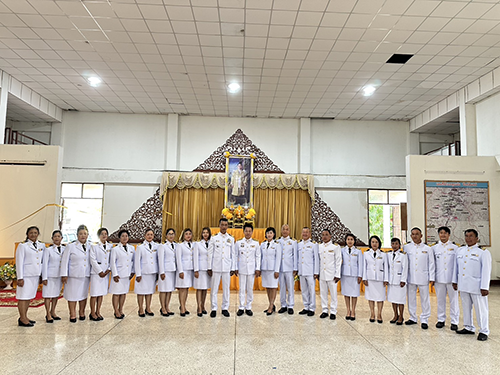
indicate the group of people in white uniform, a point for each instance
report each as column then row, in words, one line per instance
column 102, row 268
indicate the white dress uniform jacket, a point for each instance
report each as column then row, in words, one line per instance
column 221, row 256
column 99, row 257
column 248, row 256
column 166, row 258
column 200, row 254
column 51, row 264
column 29, row 259
column 288, row 254
column 184, row 256
column 271, row 260
column 330, row 259
column 421, row 265
column 75, row 261
column 375, row 268
column 472, row 269
column 352, row 263
column 444, row 257
column 307, row 258
column 146, row 259
column 122, row 261
column 398, row 267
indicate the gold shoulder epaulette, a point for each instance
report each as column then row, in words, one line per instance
column 336, row 244
column 432, row 244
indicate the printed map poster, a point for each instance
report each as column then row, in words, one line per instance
column 459, row 206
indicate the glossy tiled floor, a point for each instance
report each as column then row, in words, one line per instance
column 279, row 344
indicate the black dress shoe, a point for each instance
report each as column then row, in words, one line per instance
column 187, row 312
column 393, row 320
column 72, row 320
column 213, row 314
column 464, row 331
column 150, row 313
column 399, row 323
column 482, row 337
column 410, row 322
column 117, row 316
column 93, row 319
column 49, row 320
column 353, row 318
column 170, row 313
column 249, row 312
column 56, row 318
column 226, row 313
column 21, row 324
column 333, row 317
column 454, row 327
column 143, row 315
column 380, row 321
column 310, row 313
column 439, row 324
column 200, row 314
column 123, row 316
column 82, row 317
column 183, row 314
column 100, row 318
column 290, row 311
column 282, row 310
column 269, row 313
column 424, row 326
column 204, row 312
column 32, row 321
column 372, row 320
column 323, row 315
column 162, row 314
column 240, row 312
column 303, row 312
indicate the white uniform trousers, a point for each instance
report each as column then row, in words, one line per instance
column 425, row 302
column 214, row 289
column 324, row 286
column 246, row 290
column 441, row 290
column 308, row 288
column 480, row 304
column 287, row 289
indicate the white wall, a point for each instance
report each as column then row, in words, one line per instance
column 488, row 127
column 24, row 190
column 463, row 168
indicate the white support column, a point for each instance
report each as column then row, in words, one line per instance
column 413, row 144
column 468, row 133
column 305, row 146
column 172, row 151
column 4, row 95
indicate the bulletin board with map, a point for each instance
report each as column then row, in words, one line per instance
column 459, row 205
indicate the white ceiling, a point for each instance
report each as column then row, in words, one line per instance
column 293, row 58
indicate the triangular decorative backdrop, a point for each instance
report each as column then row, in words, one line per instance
column 149, row 215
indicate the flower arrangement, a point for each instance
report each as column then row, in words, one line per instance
column 251, row 214
column 238, row 213
column 8, row 272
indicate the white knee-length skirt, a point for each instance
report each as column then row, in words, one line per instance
column 396, row 294
column 120, row 287
column 99, row 285
column 203, row 281
column 76, row 289
column 167, row 285
column 186, row 282
column 53, row 288
column 268, row 280
column 349, row 286
column 375, row 291
column 147, row 284
column 28, row 291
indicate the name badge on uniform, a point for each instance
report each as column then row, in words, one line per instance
column 331, row 251
column 424, row 252
column 252, row 245
column 289, row 242
column 451, row 249
column 474, row 255
column 228, row 240
column 354, row 255
column 398, row 261
column 380, row 258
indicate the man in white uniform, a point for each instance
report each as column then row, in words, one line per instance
column 308, row 269
column 445, row 257
column 247, row 251
column 221, row 266
column 421, row 273
column 471, row 278
column 288, row 270
column 330, row 262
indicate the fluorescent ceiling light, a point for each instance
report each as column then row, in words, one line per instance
column 94, row 81
column 233, row 88
column 368, row 90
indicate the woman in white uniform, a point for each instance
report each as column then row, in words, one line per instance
column 166, row 270
column 270, row 266
column 122, row 270
column 398, row 273
column 375, row 277
column 28, row 268
column 185, row 266
column 352, row 275
column 100, row 254
column 201, row 280
column 75, row 273
column 146, row 272
column 51, row 277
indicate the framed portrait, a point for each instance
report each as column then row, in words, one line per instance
column 239, row 181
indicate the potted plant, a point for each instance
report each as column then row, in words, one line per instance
column 8, row 274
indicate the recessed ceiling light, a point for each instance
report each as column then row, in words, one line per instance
column 368, row 90
column 233, row 87
column 94, row 81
